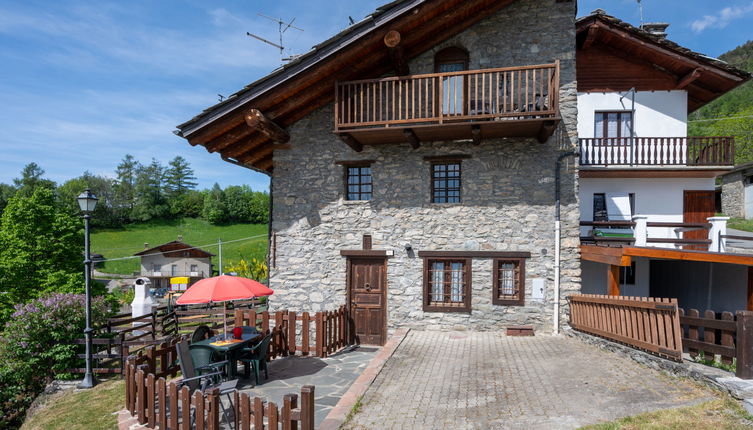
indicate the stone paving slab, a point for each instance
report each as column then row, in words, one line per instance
column 480, row 380
column 331, row 377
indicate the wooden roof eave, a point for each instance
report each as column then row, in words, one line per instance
column 304, row 94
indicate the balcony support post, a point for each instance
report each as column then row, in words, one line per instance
column 352, row 142
column 717, row 230
column 393, row 41
column 641, row 229
column 412, row 138
column 476, row 132
column 547, row 129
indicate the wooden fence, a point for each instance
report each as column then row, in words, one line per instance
column 158, row 403
column 647, row 323
column 292, row 331
column 727, row 335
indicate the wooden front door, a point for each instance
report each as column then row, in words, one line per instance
column 367, row 297
column 697, row 206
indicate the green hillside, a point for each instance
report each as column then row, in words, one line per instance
column 125, row 242
column 736, row 104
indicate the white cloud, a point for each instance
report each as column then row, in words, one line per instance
column 722, row 18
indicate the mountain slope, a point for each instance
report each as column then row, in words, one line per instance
column 736, row 107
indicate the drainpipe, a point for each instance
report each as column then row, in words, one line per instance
column 557, row 238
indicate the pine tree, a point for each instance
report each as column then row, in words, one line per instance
column 179, row 177
column 149, row 199
column 31, row 179
column 125, row 188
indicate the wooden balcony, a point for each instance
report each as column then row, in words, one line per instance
column 473, row 105
column 658, row 151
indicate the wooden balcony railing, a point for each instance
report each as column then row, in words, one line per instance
column 514, row 93
column 658, row 151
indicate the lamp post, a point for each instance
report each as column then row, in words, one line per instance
column 87, row 202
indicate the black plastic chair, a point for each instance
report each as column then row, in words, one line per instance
column 257, row 358
column 202, row 332
column 203, row 376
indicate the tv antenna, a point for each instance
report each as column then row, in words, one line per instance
column 282, row 27
column 640, row 6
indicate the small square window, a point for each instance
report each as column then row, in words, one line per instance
column 445, row 182
column 447, row 285
column 509, row 282
column 358, row 184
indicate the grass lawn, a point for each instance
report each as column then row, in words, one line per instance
column 197, row 232
column 722, row 413
column 740, row 224
column 86, row 410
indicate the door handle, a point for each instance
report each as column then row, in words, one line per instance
column 367, row 286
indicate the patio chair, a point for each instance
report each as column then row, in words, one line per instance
column 202, row 332
column 195, row 378
column 257, row 357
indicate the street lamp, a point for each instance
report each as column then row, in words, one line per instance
column 87, row 202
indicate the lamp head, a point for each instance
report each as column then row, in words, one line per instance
column 87, row 201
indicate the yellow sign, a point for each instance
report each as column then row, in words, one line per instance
column 179, row 283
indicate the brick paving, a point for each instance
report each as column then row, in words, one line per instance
column 481, row 380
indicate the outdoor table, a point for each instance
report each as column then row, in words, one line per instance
column 231, row 349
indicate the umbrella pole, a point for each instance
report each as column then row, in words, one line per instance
column 224, row 317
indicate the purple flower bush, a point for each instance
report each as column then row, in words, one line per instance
column 37, row 345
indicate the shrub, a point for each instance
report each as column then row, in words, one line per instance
column 254, row 269
column 37, row 344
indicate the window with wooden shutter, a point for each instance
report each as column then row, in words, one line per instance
column 509, row 282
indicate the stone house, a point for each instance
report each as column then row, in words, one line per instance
column 173, row 259
column 412, row 165
column 737, row 192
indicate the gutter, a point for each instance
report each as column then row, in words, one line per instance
column 557, row 237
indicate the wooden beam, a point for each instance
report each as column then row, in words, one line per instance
column 750, row 288
column 592, row 30
column 611, row 255
column 688, row 79
column 613, row 280
column 393, row 41
column 231, row 137
column 266, row 164
column 547, row 129
column 412, row 138
column 261, row 153
column 688, row 255
column 257, row 121
column 476, row 132
column 351, row 141
column 245, row 146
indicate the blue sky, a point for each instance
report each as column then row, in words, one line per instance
column 82, row 83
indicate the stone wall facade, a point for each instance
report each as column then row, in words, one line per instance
column 733, row 195
column 507, row 194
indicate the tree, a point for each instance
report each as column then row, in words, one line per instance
column 179, row 177
column 6, row 192
column 259, row 208
column 150, row 202
column 41, row 250
column 31, row 179
column 125, row 187
column 215, row 208
column 238, row 203
column 102, row 187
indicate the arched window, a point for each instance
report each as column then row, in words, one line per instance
column 452, row 59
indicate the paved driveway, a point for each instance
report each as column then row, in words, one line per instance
column 474, row 380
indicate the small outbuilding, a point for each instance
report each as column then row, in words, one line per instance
column 173, row 259
column 737, row 192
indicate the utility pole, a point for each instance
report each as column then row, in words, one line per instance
column 219, row 241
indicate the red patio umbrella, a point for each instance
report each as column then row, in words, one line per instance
column 223, row 289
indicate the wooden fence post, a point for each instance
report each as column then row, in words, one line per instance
column 307, row 407
column 319, row 334
column 744, row 345
column 289, row 402
column 305, row 348
column 238, row 318
column 291, row 332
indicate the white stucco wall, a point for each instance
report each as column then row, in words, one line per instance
column 204, row 265
column 594, row 278
column 657, row 113
column 659, row 198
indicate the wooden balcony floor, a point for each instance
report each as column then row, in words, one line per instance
column 540, row 128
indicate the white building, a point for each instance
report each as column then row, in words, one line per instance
column 646, row 189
